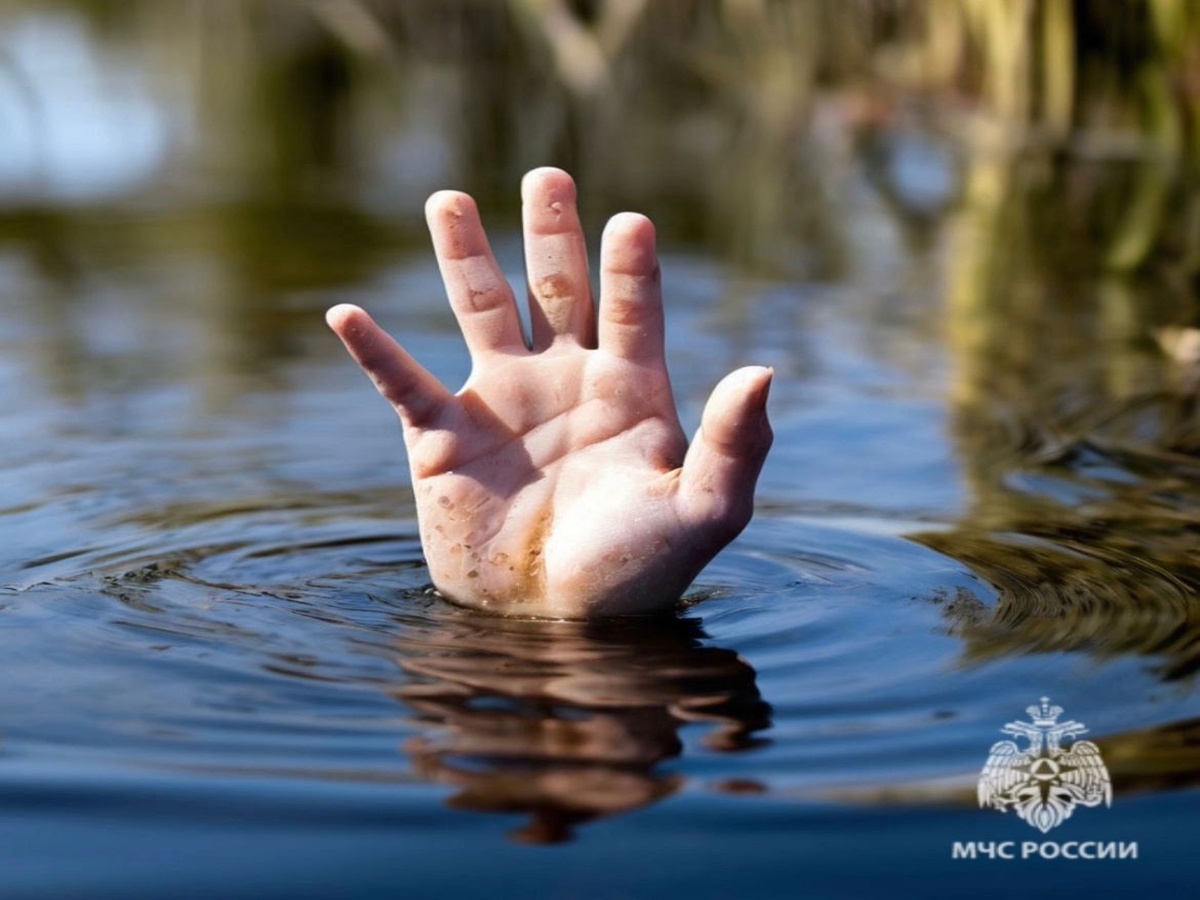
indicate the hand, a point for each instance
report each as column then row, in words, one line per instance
column 558, row 482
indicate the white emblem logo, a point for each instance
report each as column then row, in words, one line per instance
column 1044, row 782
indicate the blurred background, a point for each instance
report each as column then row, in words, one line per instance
column 1038, row 157
column 1069, row 128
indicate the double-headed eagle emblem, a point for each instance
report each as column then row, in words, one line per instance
column 1044, row 782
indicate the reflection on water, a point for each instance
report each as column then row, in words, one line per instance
column 569, row 721
column 1074, row 413
column 964, row 236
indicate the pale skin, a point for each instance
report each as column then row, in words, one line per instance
column 558, row 482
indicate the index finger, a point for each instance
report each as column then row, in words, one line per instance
column 631, row 310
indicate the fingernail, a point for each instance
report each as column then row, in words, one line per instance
column 765, row 375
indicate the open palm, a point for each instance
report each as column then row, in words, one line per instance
column 557, row 482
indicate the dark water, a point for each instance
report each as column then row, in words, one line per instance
column 224, row 674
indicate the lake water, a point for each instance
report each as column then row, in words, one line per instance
column 225, row 673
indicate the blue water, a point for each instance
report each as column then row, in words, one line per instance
column 225, row 673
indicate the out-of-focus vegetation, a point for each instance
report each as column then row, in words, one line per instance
column 1086, row 115
column 1041, row 157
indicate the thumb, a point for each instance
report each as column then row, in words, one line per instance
column 723, row 462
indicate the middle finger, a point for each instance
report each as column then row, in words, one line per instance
column 560, row 305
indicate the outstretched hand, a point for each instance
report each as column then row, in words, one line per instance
column 558, row 482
